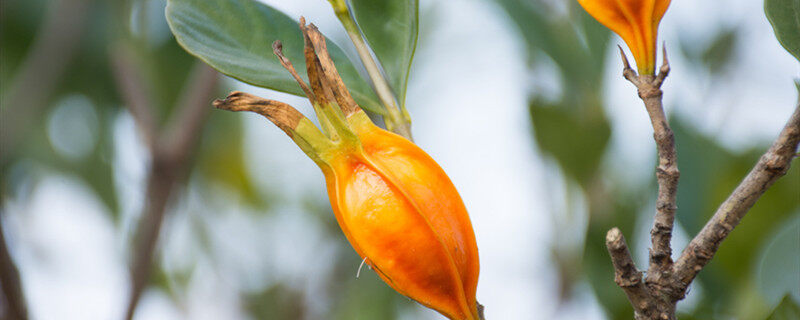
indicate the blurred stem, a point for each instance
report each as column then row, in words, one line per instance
column 170, row 149
column 397, row 119
column 10, row 283
column 134, row 90
column 26, row 96
column 170, row 146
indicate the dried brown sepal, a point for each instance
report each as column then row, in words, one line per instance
column 329, row 75
column 314, row 68
column 277, row 48
column 281, row 114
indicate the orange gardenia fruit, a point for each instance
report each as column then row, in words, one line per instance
column 636, row 21
column 396, row 206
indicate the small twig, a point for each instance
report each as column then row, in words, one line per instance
column 12, row 295
column 481, row 315
column 771, row 166
column 134, row 91
column 194, row 104
column 160, row 182
column 627, row 276
column 667, row 174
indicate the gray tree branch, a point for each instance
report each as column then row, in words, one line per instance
column 770, row 167
column 667, row 282
column 659, row 272
column 628, row 277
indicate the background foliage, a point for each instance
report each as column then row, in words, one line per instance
column 83, row 134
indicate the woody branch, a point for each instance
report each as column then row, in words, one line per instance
column 770, row 167
column 666, row 283
column 667, row 173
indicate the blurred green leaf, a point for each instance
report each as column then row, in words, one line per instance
column 784, row 15
column 778, row 273
column 19, row 22
column 174, row 284
column 719, row 54
column 221, row 157
column 578, row 52
column 576, row 140
column 787, row 310
column 391, row 28
column 702, row 162
column 714, row 55
column 363, row 298
column 278, row 302
column 167, row 68
column 95, row 169
column 236, row 36
column 89, row 72
column 622, row 211
column 597, row 37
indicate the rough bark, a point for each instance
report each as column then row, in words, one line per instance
column 656, row 296
column 770, row 167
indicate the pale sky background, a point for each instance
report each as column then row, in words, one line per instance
column 468, row 96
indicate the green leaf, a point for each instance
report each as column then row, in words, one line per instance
column 719, row 54
column 276, row 302
column 391, row 28
column 577, row 140
column 235, row 37
column 777, row 273
column 578, row 51
column 784, row 15
column 787, row 310
column 221, row 157
column 622, row 211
